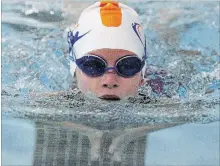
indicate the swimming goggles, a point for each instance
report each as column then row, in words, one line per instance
column 95, row 66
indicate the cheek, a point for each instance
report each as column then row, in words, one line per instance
column 81, row 81
column 135, row 81
column 84, row 82
column 131, row 84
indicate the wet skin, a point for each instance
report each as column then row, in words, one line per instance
column 109, row 86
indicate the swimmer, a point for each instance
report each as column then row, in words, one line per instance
column 107, row 51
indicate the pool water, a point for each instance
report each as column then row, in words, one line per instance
column 174, row 120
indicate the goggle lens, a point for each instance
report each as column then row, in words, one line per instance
column 91, row 65
column 95, row 66
column 129, row 66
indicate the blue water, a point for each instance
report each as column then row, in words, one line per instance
column 183, row 84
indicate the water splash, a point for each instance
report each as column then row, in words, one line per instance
column 183, row 61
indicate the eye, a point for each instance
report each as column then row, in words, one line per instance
column 129, row 66
column 91, row 65
column 91, row 62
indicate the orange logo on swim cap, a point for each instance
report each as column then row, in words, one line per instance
column 110, row 13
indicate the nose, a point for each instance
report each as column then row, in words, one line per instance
column 110, row 80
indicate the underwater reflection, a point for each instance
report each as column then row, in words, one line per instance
column 76, row 144
column 44, row 143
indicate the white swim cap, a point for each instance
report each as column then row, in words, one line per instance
column 106, row 24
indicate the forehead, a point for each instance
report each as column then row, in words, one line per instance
column 111, row 54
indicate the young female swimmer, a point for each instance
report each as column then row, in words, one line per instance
column 107, row 50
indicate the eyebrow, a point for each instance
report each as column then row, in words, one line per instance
column 109, row 51
column 98, row 54
column 114, row 60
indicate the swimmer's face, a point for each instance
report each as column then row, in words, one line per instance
column 109, row 85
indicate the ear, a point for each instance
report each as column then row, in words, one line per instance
column 142, row 82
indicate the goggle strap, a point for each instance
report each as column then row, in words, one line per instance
column 145, row 49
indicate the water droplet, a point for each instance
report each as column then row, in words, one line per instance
column 52, row 12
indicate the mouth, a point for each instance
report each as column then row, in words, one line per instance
column 110, row 97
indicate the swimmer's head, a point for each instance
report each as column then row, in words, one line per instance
column 108, row 50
